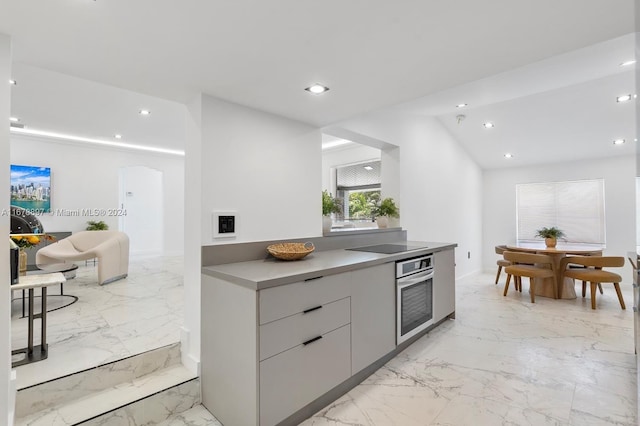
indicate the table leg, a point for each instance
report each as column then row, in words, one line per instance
column 30, row 325
column 43, row 321
column 23, row 303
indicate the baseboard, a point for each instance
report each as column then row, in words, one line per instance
column 12, row 397
column 173, row 253
column 188, row 360
column 470, row 274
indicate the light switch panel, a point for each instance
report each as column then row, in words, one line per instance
column 224, row 224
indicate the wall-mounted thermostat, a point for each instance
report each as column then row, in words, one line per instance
column 225, row 224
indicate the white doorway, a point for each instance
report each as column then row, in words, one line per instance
column 141, row 197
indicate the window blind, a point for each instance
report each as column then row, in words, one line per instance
column 357, row 176
column 576, row 207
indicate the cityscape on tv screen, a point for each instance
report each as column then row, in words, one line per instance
column 31, row 188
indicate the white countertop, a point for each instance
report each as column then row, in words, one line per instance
column 39, row 280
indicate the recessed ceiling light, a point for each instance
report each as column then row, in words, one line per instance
column 14, row 119
column 623, row 98
column 13, row 82
column 627, row 63
column 117, row 136
column 507, row 155
column 368, row 168
column 145, row 112
column 618, row 141
column 488, row 125
column 461, row 105
column 317, row 89
column 635, row 139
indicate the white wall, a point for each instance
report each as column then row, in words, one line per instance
column 87, row 177
column 440, row 185
column 499, row 189
column 192, row 227
column 265, row 167
column 351, row 154
column 6, row 392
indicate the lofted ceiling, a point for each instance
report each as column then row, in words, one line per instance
column 108, row 57
column 560, row 109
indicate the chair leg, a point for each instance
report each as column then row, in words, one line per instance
column 617, row 286
column 532, row 289
column 520, row 285
column 593, row 295
column 584, row 289
column 600, row 287
column 498, row 274
column 506, row 286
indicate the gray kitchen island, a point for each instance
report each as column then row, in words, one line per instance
column 281, row 340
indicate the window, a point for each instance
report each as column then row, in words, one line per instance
column 358, row 185
column 576, row 207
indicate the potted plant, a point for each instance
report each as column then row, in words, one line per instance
column 97, row 226
column 550, row 235
column 386, row 209
column 329, row 205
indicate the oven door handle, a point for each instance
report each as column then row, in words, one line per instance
column 414, row 279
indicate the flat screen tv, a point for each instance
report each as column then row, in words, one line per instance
column 31, row 188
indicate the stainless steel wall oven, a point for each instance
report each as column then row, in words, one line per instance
column 414, row 300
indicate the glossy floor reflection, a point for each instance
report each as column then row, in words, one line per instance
column 107, row 323
column 505, row 361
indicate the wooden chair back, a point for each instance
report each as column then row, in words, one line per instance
column 527, row 258
column 500, row 250
column 593, row 261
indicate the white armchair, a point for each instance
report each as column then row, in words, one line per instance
column 110, row 247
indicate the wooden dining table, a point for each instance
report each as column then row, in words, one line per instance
column 556, row 287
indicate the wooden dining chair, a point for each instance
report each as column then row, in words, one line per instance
column 502, row 263
column 528, row 265
column 594, row 274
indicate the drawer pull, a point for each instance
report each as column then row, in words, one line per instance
column 312, row 340
column 312, row 309
column 312, row 279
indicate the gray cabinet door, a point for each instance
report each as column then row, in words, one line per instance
column 444, row 284
column 290, row 299
column 280, row 335
column 373, row 314
column 294, row 378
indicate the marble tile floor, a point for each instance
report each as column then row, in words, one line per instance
column 107, row 323
column 502, row 361
column 196, row 416
column 505, row 361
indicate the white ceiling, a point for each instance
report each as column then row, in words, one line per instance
column 565, row 105
column 49, row 101
column 499, row 55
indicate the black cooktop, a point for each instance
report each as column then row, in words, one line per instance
column 387, row 248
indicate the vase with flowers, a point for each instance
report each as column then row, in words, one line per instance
column 26, row 241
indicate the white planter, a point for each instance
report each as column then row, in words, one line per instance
column 382, row 221
column 393, row 222
column 326, row 224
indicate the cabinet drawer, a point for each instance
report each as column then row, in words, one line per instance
column 285, row 300
column 280, row 335
column 294, row 378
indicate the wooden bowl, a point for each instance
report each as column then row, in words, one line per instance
column 290, row 251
